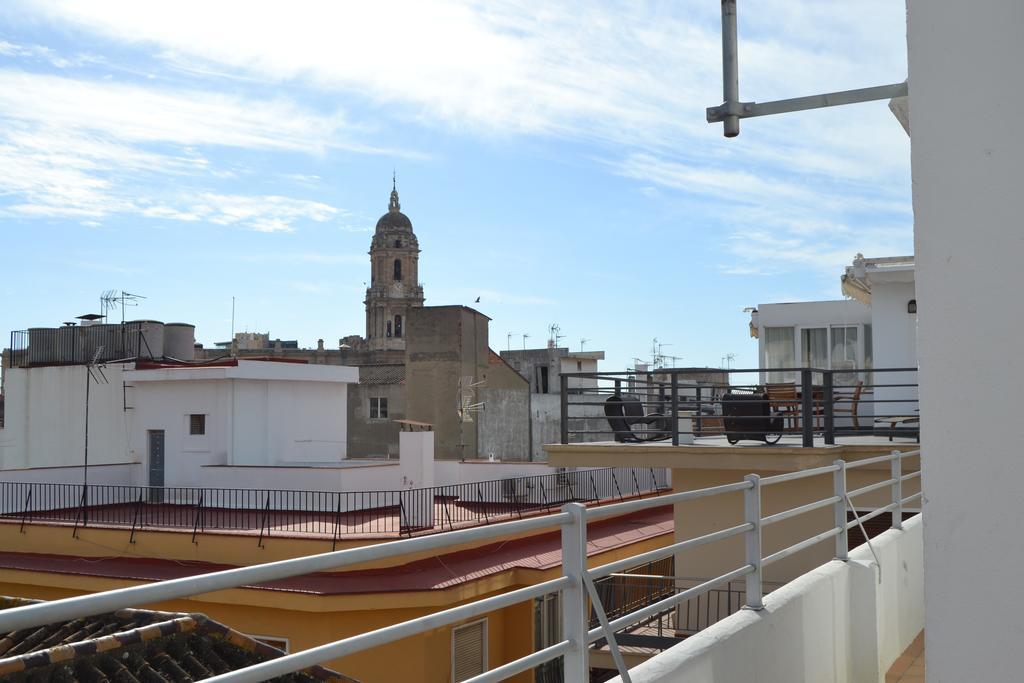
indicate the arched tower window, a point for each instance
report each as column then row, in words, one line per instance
column 398, row 244
column 398, row 270
column 398, row 326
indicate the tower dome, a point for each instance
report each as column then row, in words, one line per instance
column 394, row 278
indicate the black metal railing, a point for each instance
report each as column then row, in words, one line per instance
column 799, row 404
column 76, row 344
column 326, row 513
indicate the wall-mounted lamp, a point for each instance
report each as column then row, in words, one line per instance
column 912, row 306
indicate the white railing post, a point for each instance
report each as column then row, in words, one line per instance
column 752, row 516
column 574, row 598
column 839, row 520
column 896, row 474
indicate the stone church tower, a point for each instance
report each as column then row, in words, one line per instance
column 394, row 279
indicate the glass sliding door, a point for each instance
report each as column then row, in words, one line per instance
column 844, row 354
column 779, row 352
column 814, row 349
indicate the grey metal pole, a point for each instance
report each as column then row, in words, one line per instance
column 896, row 474
column 730, row 67
column 574, row 597
column 674, row 419
column 752, row 515
column 839, row 519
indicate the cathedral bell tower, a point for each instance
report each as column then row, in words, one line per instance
column 394, row 278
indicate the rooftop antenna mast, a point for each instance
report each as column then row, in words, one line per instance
column 526, row 335
column 111, row 298
column 732, row 110
column 727, row 360
column 108, row 300
column 583, row 341
column 554, row 329
column 508, row 340
column 92, row 369
column 465, row 406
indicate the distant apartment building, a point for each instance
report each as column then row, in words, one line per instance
column 543, row 369
column 876, row 327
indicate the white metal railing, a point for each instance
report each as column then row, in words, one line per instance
column 576, row 584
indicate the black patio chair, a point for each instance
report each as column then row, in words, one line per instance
column 625, row 410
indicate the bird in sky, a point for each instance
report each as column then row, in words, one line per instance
column 477, row 300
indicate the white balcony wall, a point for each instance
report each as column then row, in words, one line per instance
column 967, row 111
column 45, row 418
column 837, row 623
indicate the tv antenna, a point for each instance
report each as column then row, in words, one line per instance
column 508, row 341
column 727, row 360
column 554, row 329
column 583, row 341
column 110, row 299
column 90, row 377
column 526, row 335
column 465, row 406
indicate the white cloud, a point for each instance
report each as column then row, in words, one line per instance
column 635, row 72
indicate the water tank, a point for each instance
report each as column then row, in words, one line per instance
column 42, row 345
column 180, row 341
column 69, row 344
column 153, row 334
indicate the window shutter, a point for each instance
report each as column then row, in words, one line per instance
column 468, row 651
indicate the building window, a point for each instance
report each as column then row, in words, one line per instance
column 196, row 424
column 547, row 631
column 579, row 366
column 469, row 650
column 273, row 641
column 398, row 326
column 388, row 333
column 398, row 270
column 542, row 379
column 398, row 244
column 378, row 408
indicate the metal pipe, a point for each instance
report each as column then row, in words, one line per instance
column 574, row 597
column 18, row 618
column 340, row 648
column 797, row 547
column 802, row 474
column 730, row 68
column 659, row 553
column 869, row 488
column 523, row 663
column 662, row 605
column 839, row 518
column 646, row 504
column 793, row 512
column 752, row 515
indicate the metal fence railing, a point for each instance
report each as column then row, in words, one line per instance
column 331, row 513
column 77, row 344
column 576, row 585
column 679, row 405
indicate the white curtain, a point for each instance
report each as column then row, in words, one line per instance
column 844, row 354
column 780, row 352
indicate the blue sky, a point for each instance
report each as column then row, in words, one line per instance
column 554, row 161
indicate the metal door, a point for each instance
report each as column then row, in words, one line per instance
column 156, row 463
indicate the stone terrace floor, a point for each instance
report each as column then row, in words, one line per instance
column 909, row 667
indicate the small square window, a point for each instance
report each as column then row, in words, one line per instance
column 196, row 424
column 378, row 408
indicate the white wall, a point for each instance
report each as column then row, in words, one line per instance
column 45, row 418
column 838, row 623
column 809, row 314
column 967, row 141
column 895, row 346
